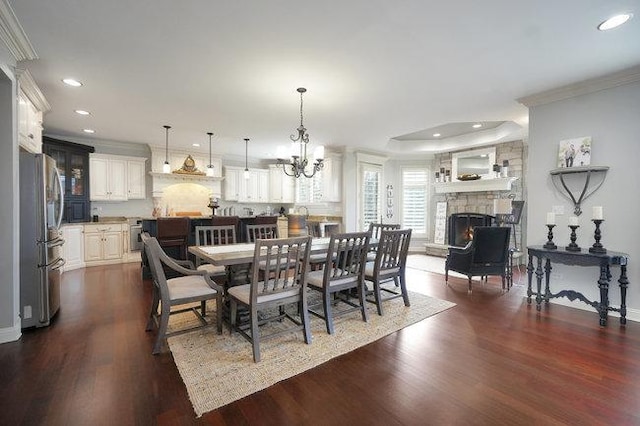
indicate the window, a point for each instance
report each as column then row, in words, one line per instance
column 309, row 190
column 414, row 199
column 370, row 204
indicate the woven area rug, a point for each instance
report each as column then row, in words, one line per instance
column 219, row 369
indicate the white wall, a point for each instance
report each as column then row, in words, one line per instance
column 612, row 118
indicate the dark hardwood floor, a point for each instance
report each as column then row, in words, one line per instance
column 490, row 360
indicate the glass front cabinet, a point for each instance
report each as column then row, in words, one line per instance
column 72, row 160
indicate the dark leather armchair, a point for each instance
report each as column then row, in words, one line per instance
column 487, row 254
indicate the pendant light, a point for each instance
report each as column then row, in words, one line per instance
column 166, row 167
column 210, row 166
column 246, row 158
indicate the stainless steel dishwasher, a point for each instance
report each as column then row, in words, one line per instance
column 135, row 229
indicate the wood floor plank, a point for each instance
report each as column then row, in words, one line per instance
column 492, row 359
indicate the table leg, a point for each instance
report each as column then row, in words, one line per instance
column 539, row 275
column 624, row 283
column 529, row 279
column 603, row 284
column 547, row 275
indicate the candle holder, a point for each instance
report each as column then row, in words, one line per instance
column 573, row 246
column 597, row 246
column 550, row 245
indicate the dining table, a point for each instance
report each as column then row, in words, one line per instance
column 237, row 258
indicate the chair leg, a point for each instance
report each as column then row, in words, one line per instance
column 328, row 315
column 162, row 330
column 304, row 317
column 403, row 288
column 446, row 276
column 378, row 296
column 219, row 312
column 203, row 308
column 255, row 336
column 469, row 291
column 154, row 310
column 362, row 296
column 233, row 311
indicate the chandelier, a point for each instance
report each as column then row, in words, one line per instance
column 297, row 166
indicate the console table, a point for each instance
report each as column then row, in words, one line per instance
column 604, row 261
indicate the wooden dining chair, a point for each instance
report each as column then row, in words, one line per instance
column 261, row 231
column 286, row 284
column 173, row 233
column 214, row 236
column 375, row 229
column 344, row 268
column 389, row 266
column 192, row 286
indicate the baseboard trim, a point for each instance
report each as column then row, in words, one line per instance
column 10, row 334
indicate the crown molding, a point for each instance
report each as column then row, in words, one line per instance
column 31, row 89
column 13, row 36
column 620, row 78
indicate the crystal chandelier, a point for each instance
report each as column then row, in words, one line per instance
column 297, row 166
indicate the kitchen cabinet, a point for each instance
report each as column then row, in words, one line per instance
column 103, row 243
column 117, row 178
column 281, row 186
column 108, row 176
column 136, row 186
column 73, row 248
column 29, row 124
column 252, row 190
column 324, row 186
column 72, row 161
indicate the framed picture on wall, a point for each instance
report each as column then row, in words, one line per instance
column 574, row 152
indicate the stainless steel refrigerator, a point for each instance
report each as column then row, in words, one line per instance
column 41, row 256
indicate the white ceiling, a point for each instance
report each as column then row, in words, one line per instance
column 374, row 69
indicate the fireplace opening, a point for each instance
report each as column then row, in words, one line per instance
column 461, row 227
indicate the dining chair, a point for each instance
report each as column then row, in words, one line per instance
column 192, row 286
column 261, row 231
column 344, row 268
column 389, row 265
column 214, row 236
column 173, row 233
column 487, row 254
column 286, row 284
column 375, row 229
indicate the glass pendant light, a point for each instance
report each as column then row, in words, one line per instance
column 246, row 158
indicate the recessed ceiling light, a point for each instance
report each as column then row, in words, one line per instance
column 477, row 126
column 82, row 112
column 88, row 130
column 615, row 21
column 71, row 82
column 195, row 144
column 436, row 135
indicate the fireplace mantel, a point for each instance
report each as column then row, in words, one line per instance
column 480, row 185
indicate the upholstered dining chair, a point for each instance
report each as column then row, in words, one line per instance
column 286, row 284
column 261, row 231
column 487, row 254
column 173, row 233
column 193, row 286
column 389, row 266
column 344, row 267
column 214, row 236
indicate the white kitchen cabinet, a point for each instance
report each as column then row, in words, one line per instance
column 108, row 178
column 29, row 125
column 232, row 176
column 73, row 248
column 281, row 186
column 136, row 188
column 252, row 190
column 331, row 175
column 103, row 243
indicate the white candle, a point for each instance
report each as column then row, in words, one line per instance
column 597, row 213
column 551, row 218
column 573, row 221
